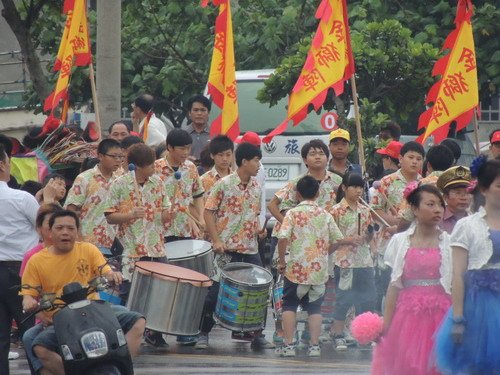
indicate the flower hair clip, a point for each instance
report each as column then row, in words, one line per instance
column 476, row 165
column 410, row 188
column 471, row 186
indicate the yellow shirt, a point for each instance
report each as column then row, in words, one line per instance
column 52, row 272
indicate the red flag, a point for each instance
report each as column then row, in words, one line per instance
column 222, row 77
column 455, row 96
column 328, row 64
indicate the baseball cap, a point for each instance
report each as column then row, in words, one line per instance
column 249, row 137
column 495, row 137
column 340, row 133
column 392, row 149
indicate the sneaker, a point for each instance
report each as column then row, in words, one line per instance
column 187, row 340
column 325, row 338
column 288, row 351
column 339, row 343
column 277, row 339
column 260, row 342
column 243, row 336
column 13, row 355
column 155, row 339
column 314, row 351
column 202, row 342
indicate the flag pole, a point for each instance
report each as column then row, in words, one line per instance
column 94, row 99
column 476, row 132
column 361, row 151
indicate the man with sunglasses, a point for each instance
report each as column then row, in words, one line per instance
column 87, row 195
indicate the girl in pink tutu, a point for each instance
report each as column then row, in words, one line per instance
column 419, row 293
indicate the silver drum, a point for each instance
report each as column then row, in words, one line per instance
column 195, row 255
column 243, row 295
column 170, row 297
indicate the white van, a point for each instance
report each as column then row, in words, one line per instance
column 281, row 157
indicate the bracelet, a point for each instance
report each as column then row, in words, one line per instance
column 458, row 320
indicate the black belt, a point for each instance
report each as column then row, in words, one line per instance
column 10, row 263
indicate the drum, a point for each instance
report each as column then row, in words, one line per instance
column 170, row 297
column 243, row 294
column 196, row 255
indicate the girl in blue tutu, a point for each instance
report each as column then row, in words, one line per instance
column 468, row 341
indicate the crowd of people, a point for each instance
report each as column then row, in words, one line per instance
column 420, row 246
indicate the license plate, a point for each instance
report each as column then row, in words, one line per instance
column 276, row 172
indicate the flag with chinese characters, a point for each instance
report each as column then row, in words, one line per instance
column 222, row 77
column 455, row 96
column 329, row 63
column 74, row 50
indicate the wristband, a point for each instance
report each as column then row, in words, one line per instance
column 458, row 320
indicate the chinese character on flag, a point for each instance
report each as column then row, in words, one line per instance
column 455, row 96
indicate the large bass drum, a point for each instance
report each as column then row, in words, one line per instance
column 170, row 297
column 196, row 255
column 243, row 295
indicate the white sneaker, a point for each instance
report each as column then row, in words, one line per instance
column 13, row 355
column 288, row 351
column 339, row 343
column 314, row 351
column 202, row 342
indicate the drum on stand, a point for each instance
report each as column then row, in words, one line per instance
column 243, row 295
column 170, row 297
column 197, row 255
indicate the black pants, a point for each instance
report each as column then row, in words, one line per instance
column 207, row 320
column 11, row 307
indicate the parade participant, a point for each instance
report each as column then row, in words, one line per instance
column 454, row 148
column 88, row 195
column 222, row 152
column 231, row 216
column 307, row 233
column 467, row 342
column 339, row 147
column 118, row 131
column 454, row 183
column 495, row 143
column 390, row 157
column 390, row 132
column 152, row 130
column 184, row 189
column 388, row 203
column 198, row 110
column 57, row 183
column 315, row 156
column 418, row 294
column 17, row 235
column 51, row 269
column 354, row 274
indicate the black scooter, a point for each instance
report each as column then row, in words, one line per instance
column 91, row 341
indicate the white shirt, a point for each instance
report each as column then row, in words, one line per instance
column 396, row 251
column 157, row 132
column 472, row 234
column 18, row 211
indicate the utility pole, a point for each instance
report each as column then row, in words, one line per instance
column 108, row 61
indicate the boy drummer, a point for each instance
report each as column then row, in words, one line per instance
column 231, row 217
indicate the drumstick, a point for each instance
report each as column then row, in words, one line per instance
column 359, row 223
column 374, row 212
column 183, row 209
column 376, row 186
column 132, row 168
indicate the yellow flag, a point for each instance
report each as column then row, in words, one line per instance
column 455, row 95
column 222, row 77
column 328, row 64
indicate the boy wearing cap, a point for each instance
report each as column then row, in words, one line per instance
column 453, row 183
column 495, row 143
column 339, row 148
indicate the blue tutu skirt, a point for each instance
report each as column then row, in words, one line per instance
column 480, row 351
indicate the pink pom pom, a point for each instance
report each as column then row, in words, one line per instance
column 367, row 327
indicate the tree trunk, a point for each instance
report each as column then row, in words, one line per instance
column 22, row 33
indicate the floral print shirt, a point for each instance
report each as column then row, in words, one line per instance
column 88, row 193
column 310, row 231
column 236, row 208
column 326, row 199
column 181, row 193
column 347, row 220
column 140, row 237
column 209, row 179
